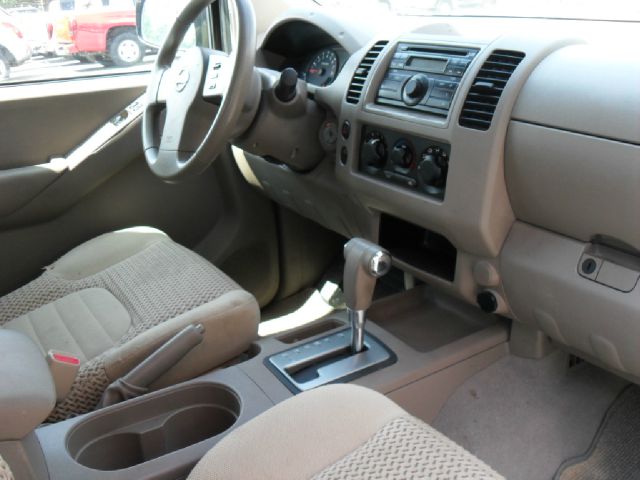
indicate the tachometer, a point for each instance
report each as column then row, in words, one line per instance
column 323, row 68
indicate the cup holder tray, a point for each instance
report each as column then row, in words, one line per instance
column 128, row 435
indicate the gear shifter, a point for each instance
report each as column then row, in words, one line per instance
column 330, row 359
column 365, row 262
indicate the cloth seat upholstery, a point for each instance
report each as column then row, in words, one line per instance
column 339, row 432
column 115, row 299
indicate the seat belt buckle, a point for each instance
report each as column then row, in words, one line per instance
column 64, row 369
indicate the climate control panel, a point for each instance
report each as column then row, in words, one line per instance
column 416, row 163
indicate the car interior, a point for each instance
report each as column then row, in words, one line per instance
column 329, row 240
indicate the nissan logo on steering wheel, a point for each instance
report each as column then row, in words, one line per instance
column 182, row 79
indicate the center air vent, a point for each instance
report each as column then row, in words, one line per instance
column 484, row 94
column 362, row 72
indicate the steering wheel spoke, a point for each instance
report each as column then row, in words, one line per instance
column 158, row 85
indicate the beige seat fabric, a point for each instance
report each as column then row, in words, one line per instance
column 339, row 432
column 5, row 471
column 85, row 323
column 114, row 299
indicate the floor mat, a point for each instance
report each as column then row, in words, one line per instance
column 525, row 417
column 614, row 451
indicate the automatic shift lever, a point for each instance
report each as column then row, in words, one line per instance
column 365, row 262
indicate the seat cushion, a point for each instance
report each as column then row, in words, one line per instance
column 5, row 471
column 85, row 323
column 161, row 286
column 339, row 432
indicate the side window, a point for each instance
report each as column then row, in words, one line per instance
column 64, row 39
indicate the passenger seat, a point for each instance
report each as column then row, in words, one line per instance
column 339, row 432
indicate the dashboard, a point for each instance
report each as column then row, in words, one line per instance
column 494, row 158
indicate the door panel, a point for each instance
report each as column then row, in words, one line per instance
column 46, row 212
column 50, row 119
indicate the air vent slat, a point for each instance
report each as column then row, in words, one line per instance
column 362, row 72
column 484, row 95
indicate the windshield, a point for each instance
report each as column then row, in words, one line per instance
column 618, row 10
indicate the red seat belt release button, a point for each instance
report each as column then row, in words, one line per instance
column 64, row 369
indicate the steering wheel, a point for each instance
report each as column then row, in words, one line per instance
column 201, row 95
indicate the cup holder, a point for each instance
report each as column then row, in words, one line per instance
column 195, row 424
column 132, row 434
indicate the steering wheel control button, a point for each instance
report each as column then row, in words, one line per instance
column 216, row 77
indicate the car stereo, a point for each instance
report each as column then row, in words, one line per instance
column 424, row 77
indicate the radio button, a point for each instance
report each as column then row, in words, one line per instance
column 438, row 103
column 441, row 93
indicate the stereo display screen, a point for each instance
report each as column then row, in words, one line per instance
column 428, row 64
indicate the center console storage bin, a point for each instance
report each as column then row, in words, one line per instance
column 123, row 437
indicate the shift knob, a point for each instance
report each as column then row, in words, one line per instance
column 365, row 262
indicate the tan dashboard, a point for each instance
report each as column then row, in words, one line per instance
column 503, row 169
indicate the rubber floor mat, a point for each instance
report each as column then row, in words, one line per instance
column 614, row 453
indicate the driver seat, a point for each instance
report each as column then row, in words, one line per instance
column 115, row 299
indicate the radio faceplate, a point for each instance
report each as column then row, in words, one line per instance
column 419, row 164
column 424, row 77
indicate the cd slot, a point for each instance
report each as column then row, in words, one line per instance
column 449, row 52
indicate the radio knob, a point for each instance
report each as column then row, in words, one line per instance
column 402, row 154
column 415, row 89
column 374, row 152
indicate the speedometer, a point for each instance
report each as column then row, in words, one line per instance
column 323, row 68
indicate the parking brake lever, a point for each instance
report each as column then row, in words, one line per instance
column 137, row 381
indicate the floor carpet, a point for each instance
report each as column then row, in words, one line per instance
column 526, row 417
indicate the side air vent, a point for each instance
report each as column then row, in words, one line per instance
column 484, row 94
column 362, row 72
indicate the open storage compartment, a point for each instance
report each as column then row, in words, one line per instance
column 418, row 247
column 128, row 436
column 426, row 320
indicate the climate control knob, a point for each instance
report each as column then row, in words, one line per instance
column 374, row 151
column 429, row 171
column 415, row 89
column 433, row 169
column 402, row 155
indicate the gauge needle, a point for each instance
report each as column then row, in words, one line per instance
column 316, row 71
